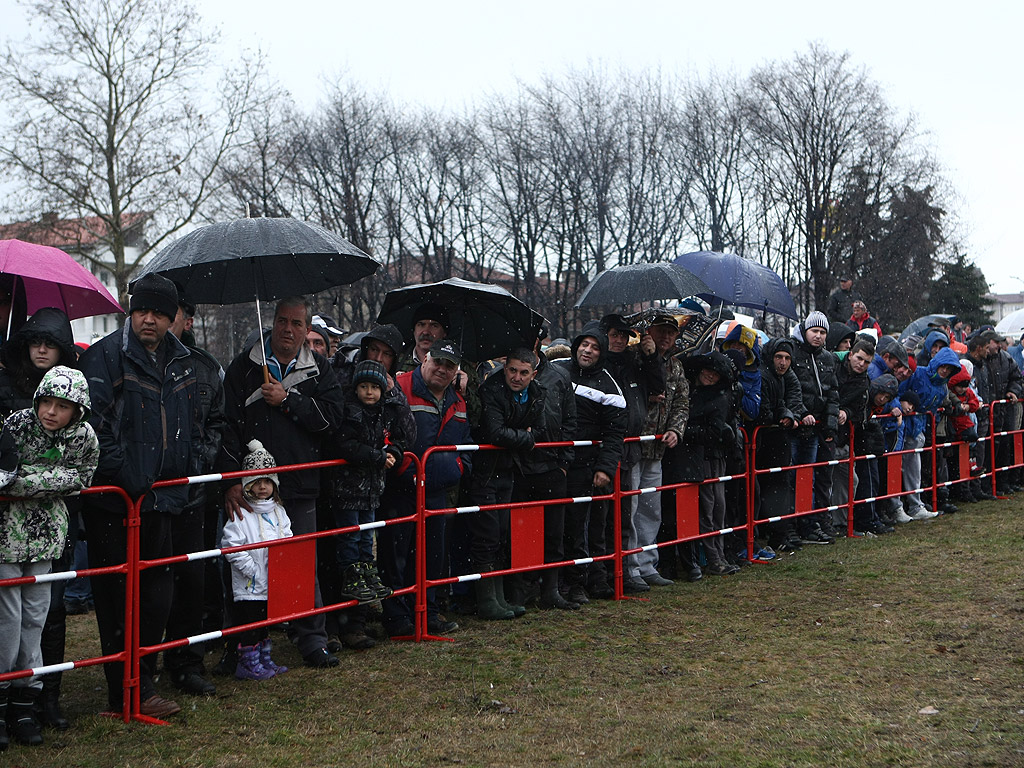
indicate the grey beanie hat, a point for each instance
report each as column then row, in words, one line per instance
column 259, row 458
column 816, row 319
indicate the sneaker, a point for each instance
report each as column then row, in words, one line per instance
column 722, row 569
column 354, row 586
column 190, row 681
column 632, row 585
column 657, row 580
column 948, row 508
column 902, row 517
column 922, row 513
column 765, row 553
column 372, row 578
column 878, row 528
column 865, row 534
column 694, row 575
column 815, row 537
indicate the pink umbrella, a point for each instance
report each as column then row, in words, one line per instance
column 51, row 278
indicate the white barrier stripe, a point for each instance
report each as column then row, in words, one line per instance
column 206, row 554
column 196, row 479
column 946, row 484
column 64, row 666
column 466, row 448
column 725, row 479
column 583, row 561
column 469, row 577
column 582, row 499
column 649, row 490
column 647, row 438
column 774, row 519
column 464, row 510
column 58, row 576
column 835, row 462
column 868, row 501
column 868, row 456
column 944, row 445
column 773, row 470
column 649, row 548
column 371, row 526
column 205, row 637
column 583, row 443
column 832, row 509
column 725, row 531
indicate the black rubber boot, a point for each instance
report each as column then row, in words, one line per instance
column 5, row 740
column 550, row 597
column 48, row 710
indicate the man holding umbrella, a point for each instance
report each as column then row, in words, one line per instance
column 291, row 413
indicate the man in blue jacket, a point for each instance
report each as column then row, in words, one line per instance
column 146, row 413
column 440, row 414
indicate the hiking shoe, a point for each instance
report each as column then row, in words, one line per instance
column 358, row 640
column 922, row 513
column 948, row 508
column 440, row 626
column 159, row 707
column 902, row 517
column 657, row 580
column 722, row 569
column 190, row 681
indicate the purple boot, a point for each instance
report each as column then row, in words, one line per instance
column 249, row 666
column 266, row 661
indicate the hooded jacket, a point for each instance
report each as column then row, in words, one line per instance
column 249, row 569
column 816, row 368
column 19, row 377
column 929, row 386
column 709, row 432
column 969, row 401
column 600, row 406
column 749, row 376
column 780, row 399
column 853, row 399
column 924, row 355
column 52, row 464
column 836, row 333
column 147, row 417
column 880, row 423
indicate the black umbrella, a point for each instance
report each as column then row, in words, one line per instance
column 266, row 259
column 485, row 320
column 259, row 259
column 740, row 282
column 639, row 284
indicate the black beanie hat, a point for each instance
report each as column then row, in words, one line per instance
column 371, row 371
column 431, row 311
column 154, row 292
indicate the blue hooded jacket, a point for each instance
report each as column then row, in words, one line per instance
column 931, row 387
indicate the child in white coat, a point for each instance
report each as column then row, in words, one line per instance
column 267, row 521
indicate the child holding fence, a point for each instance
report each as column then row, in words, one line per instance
column 268, row 521
column 48, row 451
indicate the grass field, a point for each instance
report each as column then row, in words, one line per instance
column 825, row 658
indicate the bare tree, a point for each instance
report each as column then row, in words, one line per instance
column 108, row 123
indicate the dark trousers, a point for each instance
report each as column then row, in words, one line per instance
column 489, row 529
column 188, row 600
column 308, row 634
column 249, row 612
column 396, row 552
column 107, row 538
column 580, row 517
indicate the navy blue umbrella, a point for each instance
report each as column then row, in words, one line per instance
column 739, row 282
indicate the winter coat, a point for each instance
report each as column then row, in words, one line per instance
column 836, row 333
column 780, row 399
column 863, row 322
column 853, row 399
column 969, row 402
column 52, row 464
column 558, row 424
column 840, row 304
column 437, row 423
column 147, row 417
column 669, row 415
column 709, row 431
column 364, row 440
column 268, row 521
column 210, row 378
column 881, row 423
column 505, row 422
column 293, row 432
column 600, row 407
column 930, row 387
column 1001, row 376
column 816, row 367
column 639, row 376
column 924, row 355
column 19, row 377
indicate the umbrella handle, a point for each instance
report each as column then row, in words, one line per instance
column 266, row 374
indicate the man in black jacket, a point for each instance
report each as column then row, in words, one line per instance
column 600, row 416
column 291, row 412
column 146, row 413
column 815, row 367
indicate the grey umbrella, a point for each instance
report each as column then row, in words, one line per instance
column 639, row 284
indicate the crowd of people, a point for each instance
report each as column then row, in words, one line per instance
column 146, row 404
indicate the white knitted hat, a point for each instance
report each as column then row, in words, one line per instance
column 259, row 458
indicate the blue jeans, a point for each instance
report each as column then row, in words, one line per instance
column 356, row 547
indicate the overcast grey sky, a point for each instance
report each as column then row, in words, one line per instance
column 956, row 67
